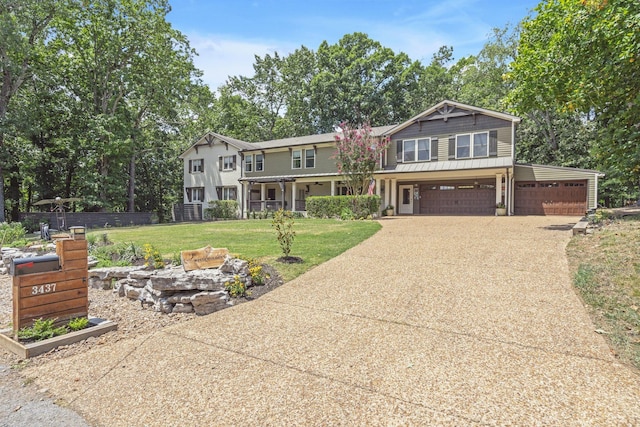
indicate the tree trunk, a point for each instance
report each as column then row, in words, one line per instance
column 132, row 183
column 3, row 218
column 14, row 196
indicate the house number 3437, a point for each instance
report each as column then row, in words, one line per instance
column 43, row 289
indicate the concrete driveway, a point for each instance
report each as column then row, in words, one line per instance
column 433, row 321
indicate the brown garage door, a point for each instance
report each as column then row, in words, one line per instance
column 458, row 198
column 551, row 198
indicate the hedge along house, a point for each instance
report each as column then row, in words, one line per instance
column 455, row 159
column 452, row 159
column 212, row 171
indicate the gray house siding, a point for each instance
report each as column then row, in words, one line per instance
column 277, row 163
column 505, row 141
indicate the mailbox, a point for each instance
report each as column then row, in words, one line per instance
column 36, row 264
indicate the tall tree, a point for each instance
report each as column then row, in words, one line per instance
column 359, row 81
column 24, row 28
column 583, row 56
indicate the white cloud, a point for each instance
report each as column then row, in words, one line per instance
column 220, row 56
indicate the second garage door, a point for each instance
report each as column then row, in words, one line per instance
column 469, row 198
column 551, row 198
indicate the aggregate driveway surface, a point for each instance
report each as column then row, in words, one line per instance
column 432, row 321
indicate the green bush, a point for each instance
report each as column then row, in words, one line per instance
column 222, row 209
column 78, row 323
column 11, row 233
column 41, row 330
column 344, row 207
column 119, row 254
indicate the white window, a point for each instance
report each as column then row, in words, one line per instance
column 196, row 165
column 310, row 158
column 259, row 162
column 228, row 163
column 416, row 150
column 227, row 193
column 481, row 144
column 248, row 163
column 472, row 145
column 195, row 194
column 296, row 159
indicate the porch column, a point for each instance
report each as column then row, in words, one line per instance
column 498, row 188
column 263, row 196
column 333, row 187
column 387, row 193
column 394, row 196
column 244, row 209
column 294, row 192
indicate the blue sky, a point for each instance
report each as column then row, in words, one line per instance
column 228, row 33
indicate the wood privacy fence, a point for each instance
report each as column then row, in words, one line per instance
column 90, row 219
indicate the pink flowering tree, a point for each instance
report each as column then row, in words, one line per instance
column 358, row 153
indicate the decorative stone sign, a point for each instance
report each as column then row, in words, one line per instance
column 202, row 258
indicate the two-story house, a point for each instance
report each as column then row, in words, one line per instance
column 212, row 171
column 452, row 159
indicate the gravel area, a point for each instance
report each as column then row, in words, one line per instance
column 26, row 404
column 433, row 320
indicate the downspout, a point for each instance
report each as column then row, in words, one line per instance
column 507, row 191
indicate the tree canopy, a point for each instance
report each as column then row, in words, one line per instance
column 98, row 98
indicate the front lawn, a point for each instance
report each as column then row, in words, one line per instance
column 316, row 241
column 606, row 266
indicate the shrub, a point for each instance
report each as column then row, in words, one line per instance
column 152, row 257
column 41, row 330
column 255, row 270
column 11, row 233
column 119, row 254
column 222, row 209
column 237, row 288
column 283, row 223
column 78, row 323
column 344, row 207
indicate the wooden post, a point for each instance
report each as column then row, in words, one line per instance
column 60, row 295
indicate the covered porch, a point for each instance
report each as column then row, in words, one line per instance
column 288, row 192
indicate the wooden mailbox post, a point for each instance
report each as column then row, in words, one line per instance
column 61, row 294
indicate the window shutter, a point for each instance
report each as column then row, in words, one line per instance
column 220, row 165
column 234, row 162
column 190, row 166
column 188, row 191
column 452, row 147
column 493, row 143
column 434, row 149
column 219, row 192
column 399, row 151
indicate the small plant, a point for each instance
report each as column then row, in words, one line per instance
column 152, row 257
column 78, row 323
column 500, row 205
column 389, row 208
column 283, row 223
column 92, row 239
column 176, row 258
column 41, row 330
column 256, row 272
column 237, row 288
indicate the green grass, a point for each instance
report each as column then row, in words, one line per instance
column 607, row 278
column 316, row 241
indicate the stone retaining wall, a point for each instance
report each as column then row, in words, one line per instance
column 172, row 290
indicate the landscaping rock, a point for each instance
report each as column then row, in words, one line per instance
column 172, row 290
